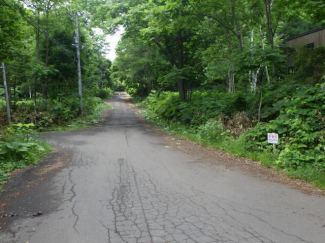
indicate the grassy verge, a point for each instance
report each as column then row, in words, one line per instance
column 18, row 148
column 18, row 151
column 81, row 122
column 138, row 100
column 235, row 147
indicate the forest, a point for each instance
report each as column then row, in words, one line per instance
column 213, row 71
column 38, row 52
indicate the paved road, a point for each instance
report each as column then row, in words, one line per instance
column 122, row 183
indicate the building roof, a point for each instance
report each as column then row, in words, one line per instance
column 306, row 33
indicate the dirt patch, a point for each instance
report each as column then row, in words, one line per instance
column 49, row 168
column 23, row 181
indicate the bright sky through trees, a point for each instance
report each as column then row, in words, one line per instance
column 113, row 41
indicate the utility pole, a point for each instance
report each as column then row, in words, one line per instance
column 6, row 93
column 79, row 65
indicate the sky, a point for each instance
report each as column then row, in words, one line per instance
column 113, row 41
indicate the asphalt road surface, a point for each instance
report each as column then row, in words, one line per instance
column 121, row 182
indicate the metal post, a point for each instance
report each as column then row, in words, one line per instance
column 6, row 93
column 79, row 66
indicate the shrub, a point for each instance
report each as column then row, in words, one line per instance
column 300, row 125
column 90, row 103
column 105, row 93
column 2, row 103
column 62, row 112
column 18, row 149
column 203, row 106
column 213, row 130
column 220, row 121
column 239, row 123
column 119, row 87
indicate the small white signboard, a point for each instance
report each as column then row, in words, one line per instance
column 273, row 138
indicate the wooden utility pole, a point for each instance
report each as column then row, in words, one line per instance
column 6, row 93
column 79, row 65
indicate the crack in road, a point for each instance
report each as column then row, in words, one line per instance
column 234, row 209
column 74, row 194
column 126, row 138
column 72, row 187
column 76, row 215
column 121, row 185
column 175, row 217
column 141, row 202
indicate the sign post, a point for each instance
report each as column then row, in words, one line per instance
column 273, row 138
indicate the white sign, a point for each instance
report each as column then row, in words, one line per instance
column 273, row 138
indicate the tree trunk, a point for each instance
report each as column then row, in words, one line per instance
column 254, row 79
column 180, row 65
column 237, row 25
column 15, row 92
column 267, row 75
column 231, row 81
column 231, row 75
column 252, row 74
column 261, row 98
column 6, row 94
column 266, row 68
column 37, row 55
column 268, row 15
column 260, row 105
column 47, row 51
column 181, row 90
column 176, row 59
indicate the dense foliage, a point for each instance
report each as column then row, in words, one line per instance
column 233, row 45
column 18, row 149
column 301, row 126
column 38, row 49
column 226, row 121
column 203, row 106
column 218, row 69
column 215, row 68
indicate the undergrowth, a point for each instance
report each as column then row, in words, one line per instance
column 80, row 122
column 300, row 123
column 224, row 142
column 60, row 112
column 19, row 148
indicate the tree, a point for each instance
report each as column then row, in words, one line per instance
column 10, row 30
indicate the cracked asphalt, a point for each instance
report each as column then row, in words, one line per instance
column 121, row 182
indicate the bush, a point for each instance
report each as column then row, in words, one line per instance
column 25, row 113
column 220, row 121
column 119, row 87
column 62, row 113
column 300, row 125
column 203, row 106
column 49, row 113
column 90, row 104
column 2, row 103
column 18, row 149
column 213, row 130
column 105, row 93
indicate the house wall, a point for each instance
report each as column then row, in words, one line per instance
column 318, row 38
